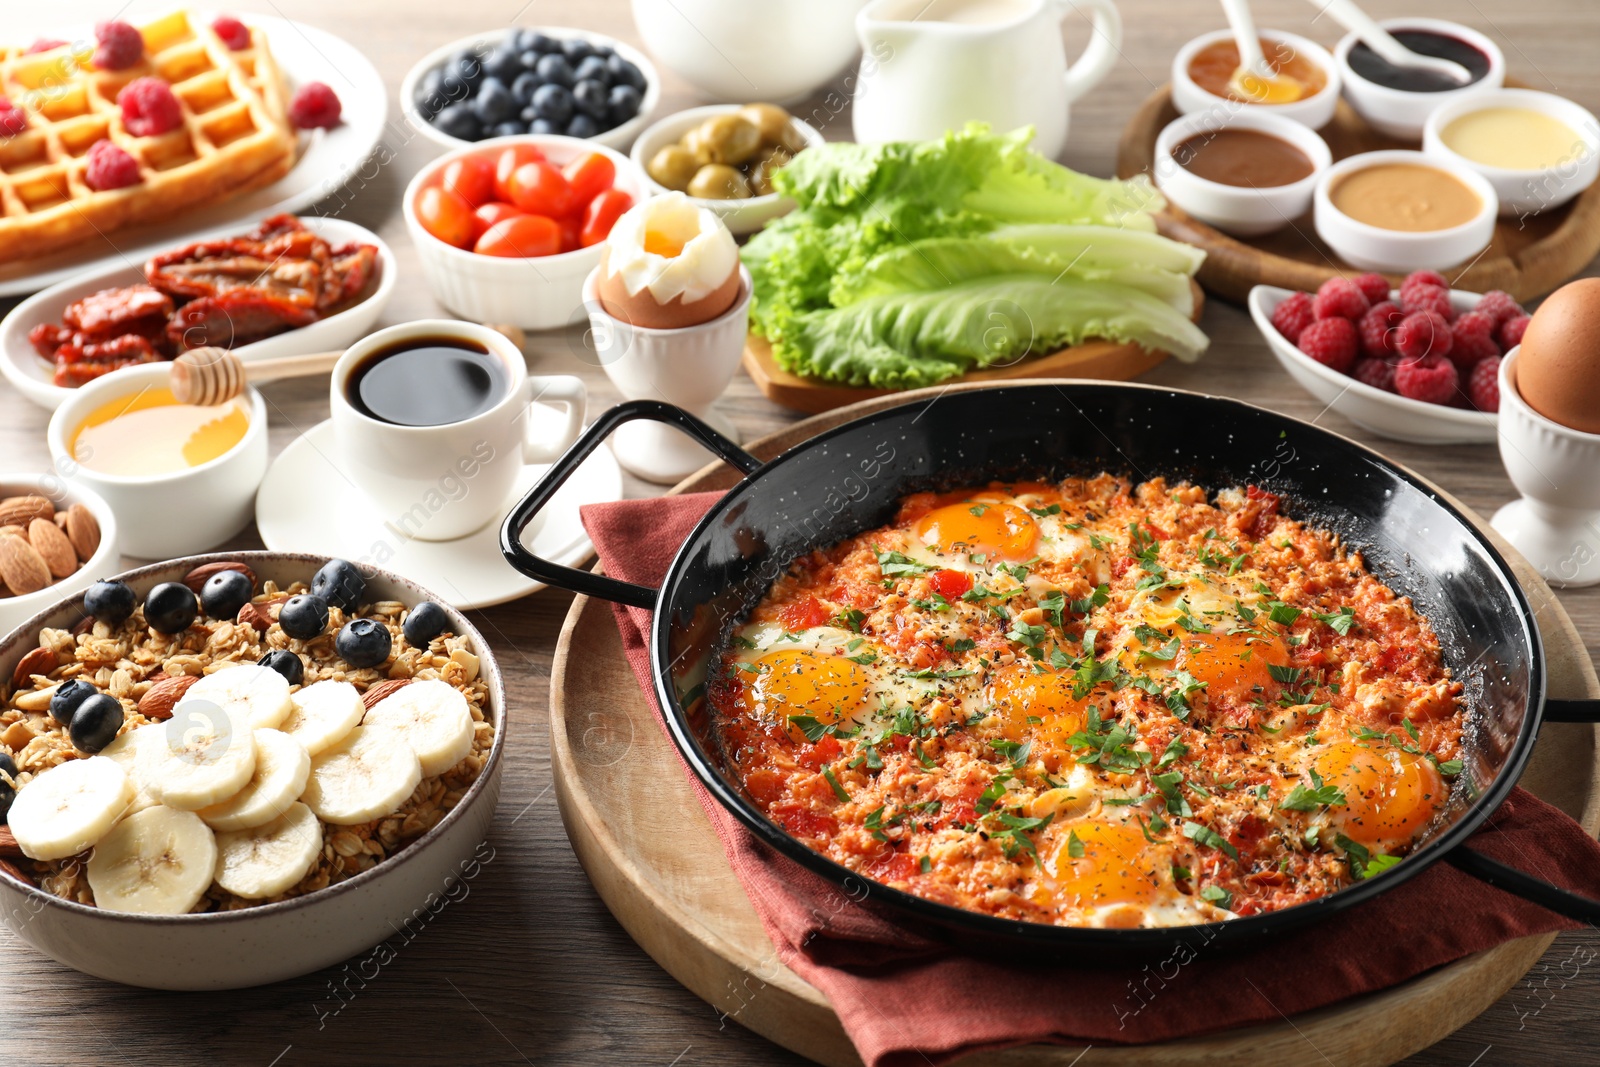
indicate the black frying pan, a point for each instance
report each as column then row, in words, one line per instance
column 852, row 477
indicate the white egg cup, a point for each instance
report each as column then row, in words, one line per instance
column 689, row 367
column 1556, row 524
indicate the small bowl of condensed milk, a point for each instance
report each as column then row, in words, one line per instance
column 1537, row 149
column 1401, row 211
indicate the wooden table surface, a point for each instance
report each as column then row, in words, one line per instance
column 530, row 967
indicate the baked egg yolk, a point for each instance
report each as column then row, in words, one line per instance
column 1113, row 867
column 798, row 681
column 1389, row 795
column 1021, row 691
column 1000, row 531
column 1235, row 664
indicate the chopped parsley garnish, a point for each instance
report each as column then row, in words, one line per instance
column 838, row 790
column 1052, row 606
column 1169, row 784
column 1320, row 795
column 1109, row 745
column 962, row 644
column 864, row 658
column 1204, row 835
column 1217, row 895
column 897, row 565
column 1181, row 874
column 1340, row 620
column 850, row 619
column 978, row 509
column 1363, row 864
column 924, row 864
column 1015, row 751
column 1053, row 509
column 1015, row 828
column 1178, row 696
column 813, row 729
column 1098, row 598
column 1174, row 751
column 1074, row 846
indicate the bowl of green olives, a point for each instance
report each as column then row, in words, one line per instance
column 723, row 156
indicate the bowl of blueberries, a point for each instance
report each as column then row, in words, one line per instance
column 545, row 80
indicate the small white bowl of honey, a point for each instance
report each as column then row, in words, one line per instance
column 181, row 478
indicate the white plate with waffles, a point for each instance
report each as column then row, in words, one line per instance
column 231, row 96
column 307, row 504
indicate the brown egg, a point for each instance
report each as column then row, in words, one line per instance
column 1558, row 366
column 642, row 309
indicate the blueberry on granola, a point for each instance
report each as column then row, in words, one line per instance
column 423, row 623
column 8, row 788
column 95, row 723
column 109, row 602
column 225, row 593
column 363, row 643
column 68, row 695
column 285, row 663
column 340, row 584
column 304, row 616
column 170, row 607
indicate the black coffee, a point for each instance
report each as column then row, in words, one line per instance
column 427, row 381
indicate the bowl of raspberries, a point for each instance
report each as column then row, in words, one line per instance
column 1420, row 363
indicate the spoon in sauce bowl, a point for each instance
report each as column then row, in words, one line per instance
column 1381, row 41
column 1255, row 80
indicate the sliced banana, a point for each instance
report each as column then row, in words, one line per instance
column 125, row 751
column 323, row 713
column 434, row 719
column 282, row 767
column 367, row 775
column 69, row 807
column 258, row 694
column 156, row 862
column 203, row 756
column 265, row 860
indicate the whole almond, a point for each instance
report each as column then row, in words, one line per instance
column 83, row 530
column 257, row 616
column 21, row 567
column 21, row 510
column 56, row 548
column 83, row 626
column 385, row 688
column 13, row 531
column 61, row 520
column 197, row 578
column 6, row 867
column 8, row 844
column 39, row 661
column 159, row 700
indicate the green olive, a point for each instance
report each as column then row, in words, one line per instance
column 718, row 181
column 770, row 119
column 694, row 144
column 673, row 167
column 729, row 138
column 762, row 170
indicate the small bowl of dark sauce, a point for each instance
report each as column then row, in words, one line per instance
column 1396, row 101
column 1246, row 174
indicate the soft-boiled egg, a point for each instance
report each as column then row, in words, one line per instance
column 668, row 264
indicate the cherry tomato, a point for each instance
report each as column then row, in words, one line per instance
column 571, row 232
column 602, row 214
column 492, row 212
column 446, row 216
column 471, row 178
column 520, row 237
column 539, row 189
column 950, row 584
column 589, row 175
column 510, row 159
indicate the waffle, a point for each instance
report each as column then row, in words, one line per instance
column 235, row 135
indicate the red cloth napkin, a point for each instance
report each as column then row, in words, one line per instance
column 906, row 999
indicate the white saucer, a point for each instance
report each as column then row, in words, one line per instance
column 306, row 504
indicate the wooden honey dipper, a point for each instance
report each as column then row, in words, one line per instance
column 210, row 376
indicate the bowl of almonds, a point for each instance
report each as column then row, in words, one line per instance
column 55, row 540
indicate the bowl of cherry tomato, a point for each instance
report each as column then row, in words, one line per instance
column 508, row 228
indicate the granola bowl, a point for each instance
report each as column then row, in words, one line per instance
column 364, row 883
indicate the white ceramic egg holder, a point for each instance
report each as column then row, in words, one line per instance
column 690, row 367
column 1556, row 524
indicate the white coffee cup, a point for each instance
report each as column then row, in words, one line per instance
column 438, row 483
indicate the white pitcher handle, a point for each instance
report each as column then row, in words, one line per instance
column 1103, row 49
column 567, row 392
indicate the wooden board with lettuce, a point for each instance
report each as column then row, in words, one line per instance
column 909, row 264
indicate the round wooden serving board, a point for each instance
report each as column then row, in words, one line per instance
column 1106, row 360
column 640, row 835
column 1527, row 258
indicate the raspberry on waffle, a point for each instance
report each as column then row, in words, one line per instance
column 235, row 134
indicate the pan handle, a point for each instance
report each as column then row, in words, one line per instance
column 1524, row 885
column 1572, row 711
column 585, row 582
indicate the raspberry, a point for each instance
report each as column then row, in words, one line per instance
column 234, row 34
column 110, row 167
column 120, row 45
column 1377, row 329
column 1331, row 342
column 45, row 44
column 1375, row 287
column 149, row 108
column 1498, row 305
column 314, row 107
column 1378, row 373
column 1425, row 277
column 12, row 119
column 1428, row 298
column 1339, row 298
column 1432, row 379
column 1471, row 340
column 1483, row 384
column 1510, row 332
column 1293, row 315
column 1423, row 333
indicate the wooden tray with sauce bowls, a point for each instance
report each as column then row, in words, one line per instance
column 1528, row 256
